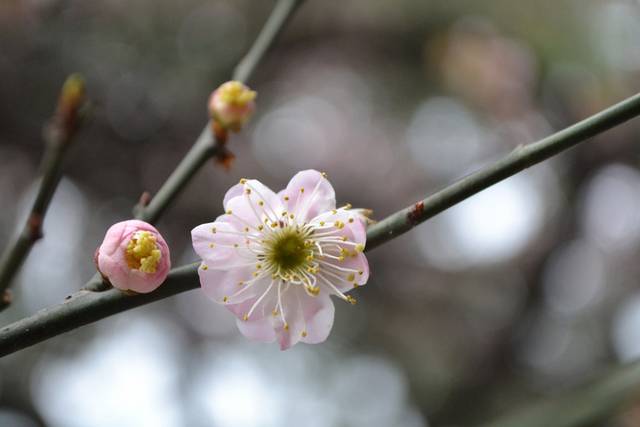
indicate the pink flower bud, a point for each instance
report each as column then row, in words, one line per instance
column 134, row 256
column 232, row 104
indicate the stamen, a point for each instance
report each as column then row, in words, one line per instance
column 335, row 290
column 258, row 301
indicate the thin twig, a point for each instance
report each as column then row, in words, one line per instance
column 281, row 14
column 87, row 307
column 57, row 135
column 205, row 147
column 520, row 159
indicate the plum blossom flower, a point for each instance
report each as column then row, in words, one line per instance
column 133, row 256
column 274, row 260
column 232, row 104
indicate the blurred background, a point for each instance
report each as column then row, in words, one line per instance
column 524, row 290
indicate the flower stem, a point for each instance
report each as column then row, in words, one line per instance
column 58, row 135
column 86, row 307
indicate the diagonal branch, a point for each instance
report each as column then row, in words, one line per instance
column 206, row 147
column 521, row 158
column 87, row 307
column 58, row 135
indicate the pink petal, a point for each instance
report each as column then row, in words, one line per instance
column 234, row 191
column 318, row 314
column 218, row 284
column 258, row 329
column 263, row 309
column 358, row 263
column 223, row 254
column 294, row 316
column 256, row 204
column 354, row 228
column 318, row 195
column 309, row 318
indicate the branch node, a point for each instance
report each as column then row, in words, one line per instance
column 145, row 199
column 34, row 227
column 414, row 216
column 6, row 299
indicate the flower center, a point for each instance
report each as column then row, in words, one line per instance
column 288, row 251
column 142, row 252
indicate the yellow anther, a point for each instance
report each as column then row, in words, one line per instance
column 286, row 198
column 229, row 212
column 274, row 224
column 313, row 290
column 351, row 300
column 260, row 227
column 324, row 174
column 255, row 274
column 310, row 257
column 236, row 93
column 304, row 334
column 240, row 283
column 360, row 272
column 347, row 206
column 246, row 229
column 258, row 266
column 359, row 247
column 322, row 223
column 260, row 203
column 235, row 245
column 274, row 313
column 243, row 181
column 284, row 213
column 225, row 299
column 350, row 219
column 213, row 230
column 341, row 258
column 351, row 277
column 245, row 317
column 142, row 252
column 291, row 216
column 355, row 285
column 211, row 245
column 205, row 267
column 286, row 326
column 333, row 211
column 344, row 238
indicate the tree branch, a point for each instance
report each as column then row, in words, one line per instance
column 86, row 307
column 58, row 135
column 520, row 159
column 281, row 14
column 206, row 147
